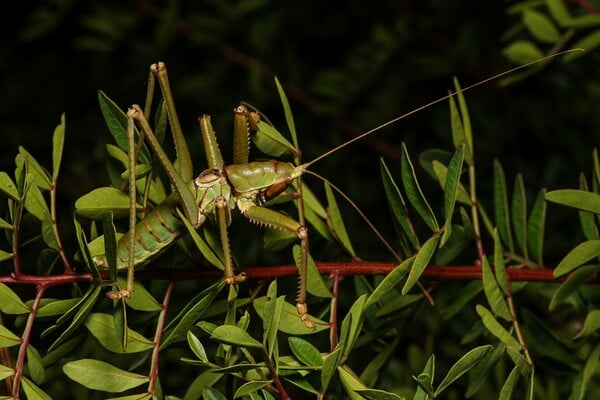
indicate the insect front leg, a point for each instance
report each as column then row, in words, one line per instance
column 126, row 293
column 217, row 200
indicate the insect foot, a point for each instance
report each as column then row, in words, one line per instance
column 236, row 279
column 302, row 309
column 118, row 294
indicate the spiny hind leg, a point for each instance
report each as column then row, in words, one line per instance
column 272, row 218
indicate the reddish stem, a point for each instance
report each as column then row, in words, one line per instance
column 445, row 273
column 25, row 341
column 157, row 338
column 335, row 276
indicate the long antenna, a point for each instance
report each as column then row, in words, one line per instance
column 451, row 94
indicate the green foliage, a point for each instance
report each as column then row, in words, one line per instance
column 185, row 334
column 229, row 339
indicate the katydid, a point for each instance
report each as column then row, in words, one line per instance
column 214, row 193
column 221, row 188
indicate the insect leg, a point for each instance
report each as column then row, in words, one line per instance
column 275, row 219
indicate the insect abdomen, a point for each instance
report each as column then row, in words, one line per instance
column 154, row 233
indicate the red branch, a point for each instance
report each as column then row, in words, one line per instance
column 383, row 268
column 445, row 273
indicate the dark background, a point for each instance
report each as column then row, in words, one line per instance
column 347, row 67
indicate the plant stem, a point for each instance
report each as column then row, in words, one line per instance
column 25, row 341
column 157, row 337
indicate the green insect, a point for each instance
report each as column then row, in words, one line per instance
column 214, row 193
column 218, row 190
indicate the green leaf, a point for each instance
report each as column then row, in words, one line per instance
column 101, row 201
column 463, row 365
column 425, row 380
column 543, row 341
column 35, row 202
column 7, row 338
column 271, row 142
column 235, row 336
column 372, row 372
column 48, row 233
column 290, row 322
column 522, row 52
column 315, row 283
column 590, row 325
column 572, row 284
column 35, row 365
column 421, row 261
column 102, row 327
column 141, row 396
column 5, row 225
column 352, row 324
column 583, row 21
column 209, row 393
column 99, row 375
column 4, row 256
column 10, row 303
column 116, row 121
column 589, row 42
column 141, row 299
column 580, row 255
column 32, row 392
column 81, row 310
column 271, row 323
column 289, row 118
column 375, row 394
column 394, row 304
column 485, row 367
column 64, row 350
column 8, row 187
column 580, row 199
column 5, row 372
column 178, row 327
column 241, row 367
column 501, row 212
column 250, row 387
column 110, row 244
column 41, row 177
column 499, row 267
column 461, row 125
column 589, row 369
column 587, row 219
column 441, row 171
column 85, row 248
column 58, row 141
column 397, row 205
column 197, row 347
column 201, row 244
column 336, row 221
column 510, row 384
column 493, row 292
column 330, row 365
column 414, row 193
column 519, row 214
column 351, row 382
column 305, row 352
column 450, row 191
column 540, row 26
column 535, row 227
column 390, row 281
column 497, row 329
